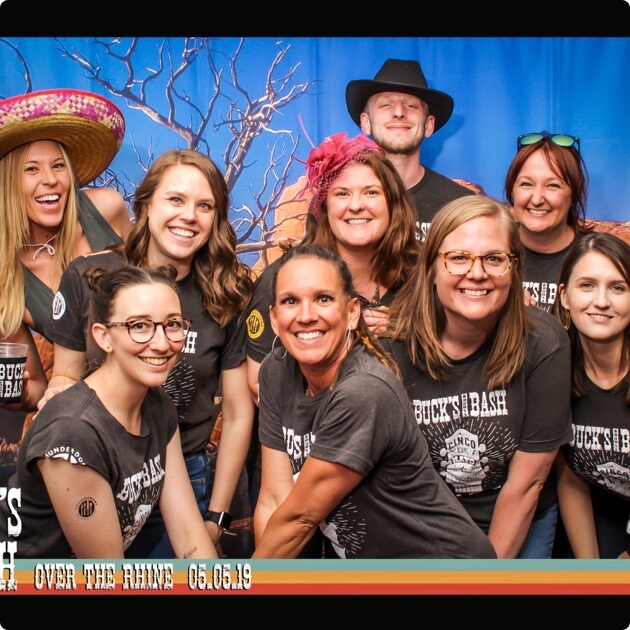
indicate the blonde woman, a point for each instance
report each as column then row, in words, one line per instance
column 52, row 144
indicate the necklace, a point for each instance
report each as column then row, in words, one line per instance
column 376, row 298
column 43, row 246
column 374, row 302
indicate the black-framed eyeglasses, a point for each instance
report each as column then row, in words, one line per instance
column 561, row 139
column 459, row 263
column 143, row 330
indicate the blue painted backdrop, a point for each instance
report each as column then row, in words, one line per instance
column 241, row 100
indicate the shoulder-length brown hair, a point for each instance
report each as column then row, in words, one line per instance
column 397, row 253
column 224, row 281
column 567, row 164
column 418, row 316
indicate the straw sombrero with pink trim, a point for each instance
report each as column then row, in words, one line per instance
column 90, row 127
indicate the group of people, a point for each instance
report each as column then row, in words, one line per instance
column 430, row 373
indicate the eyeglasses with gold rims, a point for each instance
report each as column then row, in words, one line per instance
column 459, row 263
column 143, row 330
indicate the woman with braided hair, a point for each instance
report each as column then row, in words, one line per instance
column 341, row 450
column 359, row 209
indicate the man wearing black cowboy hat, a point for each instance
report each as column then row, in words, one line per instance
column 398, row 110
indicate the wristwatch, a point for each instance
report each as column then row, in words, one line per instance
column 222, row 519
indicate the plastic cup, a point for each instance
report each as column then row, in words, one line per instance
column 12, row 365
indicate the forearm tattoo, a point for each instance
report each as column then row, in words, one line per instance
column 189, row 553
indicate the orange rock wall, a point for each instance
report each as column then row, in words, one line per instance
column 622, row 230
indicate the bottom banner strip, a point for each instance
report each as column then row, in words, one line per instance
column 102, row 578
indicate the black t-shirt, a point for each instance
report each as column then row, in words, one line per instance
column 600, row 449
column 473, row 433
column 76, row 426
column 401, row 508
column 541, row 273
column 209, row 348
column 430, row 194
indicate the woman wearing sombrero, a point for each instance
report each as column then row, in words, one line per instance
column 52, row 144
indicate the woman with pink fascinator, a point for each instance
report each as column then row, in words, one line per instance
column 359, row 209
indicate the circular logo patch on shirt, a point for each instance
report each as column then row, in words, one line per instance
column 59, row 306
column 255, row 324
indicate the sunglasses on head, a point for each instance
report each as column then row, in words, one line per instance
column 561, row 139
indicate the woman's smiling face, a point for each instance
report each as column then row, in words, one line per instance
column 181, row 213
column 474, row 296
column 542, row 199
column 598, row 298
column 149, row 363
column 357, row 208
column 311, row 314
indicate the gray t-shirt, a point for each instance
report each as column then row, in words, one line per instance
column 541, row 273
column 473, row 433
column 401, row 508
column 600, row 449
column 76, row 426
column 430, row 194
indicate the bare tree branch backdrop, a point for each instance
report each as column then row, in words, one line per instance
column 159, row 88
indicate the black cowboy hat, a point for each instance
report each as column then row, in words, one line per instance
column 399, row 75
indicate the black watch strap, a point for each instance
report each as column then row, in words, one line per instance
column 222, row 519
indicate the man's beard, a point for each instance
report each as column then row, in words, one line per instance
column 398, row 147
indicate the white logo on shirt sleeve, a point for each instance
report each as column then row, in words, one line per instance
column 59, row 306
